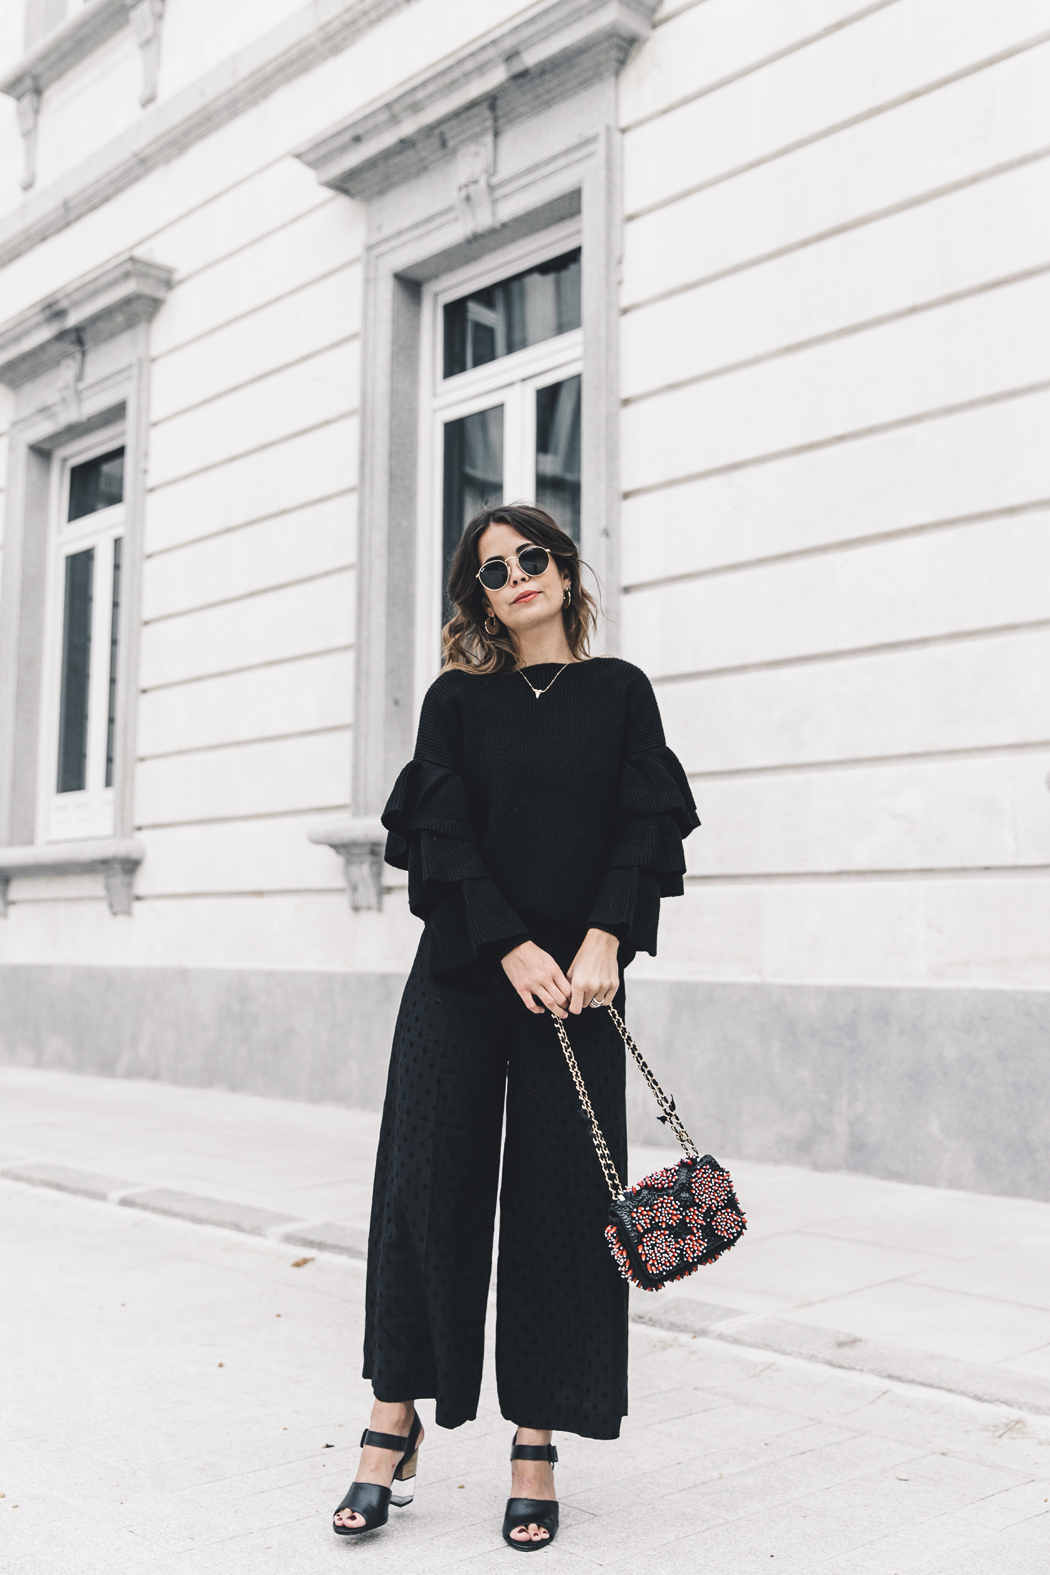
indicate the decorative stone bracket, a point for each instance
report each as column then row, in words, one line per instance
column 28, row 120
column 87, row 28
column 475, row 165
column 359, row 841
column 116, row 859
column 145, row 18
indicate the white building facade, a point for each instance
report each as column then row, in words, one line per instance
column 755, row 295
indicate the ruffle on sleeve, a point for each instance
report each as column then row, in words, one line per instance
column 425, row 797
column 431, row 836
column 654, row 783
column 654, row 812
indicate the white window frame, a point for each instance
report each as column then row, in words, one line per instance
column 512, row 381
column 65, row 817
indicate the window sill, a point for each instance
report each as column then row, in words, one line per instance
column 359, row 841
column 115, row 858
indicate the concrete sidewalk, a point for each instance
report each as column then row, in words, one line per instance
column 177, row 1399
column 919, row 1284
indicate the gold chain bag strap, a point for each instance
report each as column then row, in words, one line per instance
column 675, row 1220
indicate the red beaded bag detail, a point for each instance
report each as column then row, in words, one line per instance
column 674, row 1221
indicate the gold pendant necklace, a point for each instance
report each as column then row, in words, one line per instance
column 543, row 691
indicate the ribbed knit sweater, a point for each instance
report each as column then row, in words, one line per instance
column 523, row 818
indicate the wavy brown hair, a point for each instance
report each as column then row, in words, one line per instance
column 465, row 642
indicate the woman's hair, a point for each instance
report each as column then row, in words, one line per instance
column 465, row 642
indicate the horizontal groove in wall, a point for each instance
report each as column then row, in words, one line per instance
column 234, row 820
column 821, row 877
column 669, row 16
column 260, row 377
column 259, row 519
column 815, row 445
column 246, row 743
column 251, row 311
column 247, row 891
column 198, row 207
column 249, row 667
column 247, row 596
column 858, row 762
column 833, row 548
column 246, row 246
column 814, row 658
column 837, row 127
column 37, row 902
column 260, row 448
column 758, row 65
column 861, row 221
column 833, row 335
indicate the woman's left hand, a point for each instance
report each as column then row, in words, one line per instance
column 594, row 973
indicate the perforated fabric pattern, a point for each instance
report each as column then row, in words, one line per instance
column 561, row 1331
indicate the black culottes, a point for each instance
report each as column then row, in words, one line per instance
column 561, row 1306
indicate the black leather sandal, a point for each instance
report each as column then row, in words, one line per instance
column 538, row 1511
column 370, row 1500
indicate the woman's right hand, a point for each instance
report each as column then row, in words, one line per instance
column 538, row 979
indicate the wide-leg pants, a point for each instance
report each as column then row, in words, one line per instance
column 561, row 1315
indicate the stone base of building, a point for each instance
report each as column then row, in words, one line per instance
column 939, row 1086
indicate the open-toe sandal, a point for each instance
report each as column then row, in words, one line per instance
column 371, row 1501
column 523, row 1512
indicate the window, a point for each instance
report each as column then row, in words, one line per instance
column 500, row 405
column 79, row 710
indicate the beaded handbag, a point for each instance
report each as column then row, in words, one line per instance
column 675, row 1220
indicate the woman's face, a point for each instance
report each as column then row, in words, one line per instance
column 525, row 602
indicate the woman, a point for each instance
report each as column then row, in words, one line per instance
column 540, row 821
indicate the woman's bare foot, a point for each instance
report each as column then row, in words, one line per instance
column 531, row 1479
column 379, row 1465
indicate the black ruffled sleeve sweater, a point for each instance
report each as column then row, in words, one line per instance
column 525, row 818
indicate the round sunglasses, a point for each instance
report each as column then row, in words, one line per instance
column 495, row 572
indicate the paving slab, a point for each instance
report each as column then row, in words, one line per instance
column 917, row 1284
column 181, row 1399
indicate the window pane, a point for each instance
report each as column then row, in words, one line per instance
column 473, row 476
column 504, row 317
column 558, row 453
column 96, row 484
column 114, row 626
column 76, row 665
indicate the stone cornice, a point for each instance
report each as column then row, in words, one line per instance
column 557, row 48
column 65, row 46
column 91, row 309
column 297, row 45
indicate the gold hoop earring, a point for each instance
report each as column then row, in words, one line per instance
column 495, row 625
column 567, row 598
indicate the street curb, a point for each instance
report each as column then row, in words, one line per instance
column 677, row 1315
column 209, row 1211
column 85, row 1183
column 195, row 1208
column 836, row 1348
column 328, row 1237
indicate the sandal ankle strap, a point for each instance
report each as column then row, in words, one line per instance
column 534, row 1452
column 394, row 1441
